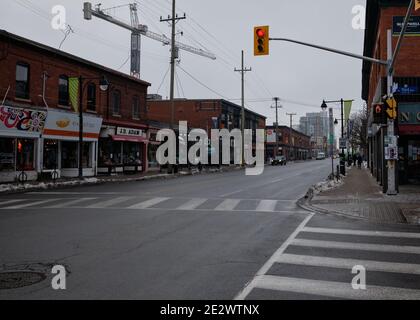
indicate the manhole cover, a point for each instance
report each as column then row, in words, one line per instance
column 18, row 279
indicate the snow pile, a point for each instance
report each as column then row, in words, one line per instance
column 327, row 185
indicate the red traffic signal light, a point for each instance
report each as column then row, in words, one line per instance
column 261, row 41
column 378, row 108
column 260, row 33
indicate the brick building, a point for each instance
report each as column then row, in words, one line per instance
column 39, row 123
column 382, row 16
column 294, row 145
column 206, row 114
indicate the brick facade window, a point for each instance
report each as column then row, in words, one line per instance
column 136, row 107
column 91, row 97
column 116, row 102
column 22, row 80
column 63, row 90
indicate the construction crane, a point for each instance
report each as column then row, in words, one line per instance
column 137, row 30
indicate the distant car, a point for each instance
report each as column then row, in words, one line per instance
column 279, row 160
column 320, row 156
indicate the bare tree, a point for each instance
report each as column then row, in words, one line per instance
column 358, row 135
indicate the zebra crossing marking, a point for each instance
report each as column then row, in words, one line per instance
column 364, row 232
column 267, row 205
column 227, row 205
column 30, row 204
column 108, row 203
column 191, row 204
column 148, row 203
column 69, row 203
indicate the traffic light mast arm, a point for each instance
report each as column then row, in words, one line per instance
column 349, row 54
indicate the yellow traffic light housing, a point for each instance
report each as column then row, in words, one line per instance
column 261, row 41
column 391, row 108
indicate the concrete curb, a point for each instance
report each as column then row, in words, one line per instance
column 99, row 181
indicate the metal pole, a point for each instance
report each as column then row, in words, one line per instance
column 342, row 137
column 243, row 110
column 331, row 116
column 276, row 99
column 172, row 89
column 80, row 127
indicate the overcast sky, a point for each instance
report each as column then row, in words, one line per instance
column 224, row 27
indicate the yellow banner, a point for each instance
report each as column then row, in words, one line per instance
column 347, row 110
column 417, row 5
column 74, row 93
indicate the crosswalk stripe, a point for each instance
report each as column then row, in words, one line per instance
column 191, row 204
column 364, row 232
column 30, row 204
column 69, row 203
column 108, row 203
column 356, row 246
column 148, row 203
column 335, row 289
column 12, row 201
column 227, row 205
column 267, row 205
column 349, row 263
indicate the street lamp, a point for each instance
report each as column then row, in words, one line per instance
column 324, row 107
column 103, row 86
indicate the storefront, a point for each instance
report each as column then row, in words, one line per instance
column 409, row 143
column 122, row 150
column 20, row 131
column 60, row 144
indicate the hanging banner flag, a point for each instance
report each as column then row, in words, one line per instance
column 347, row 109
column 417, row 6
column 74, row 93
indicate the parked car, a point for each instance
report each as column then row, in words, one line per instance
column 320, row 156
column 279, row 160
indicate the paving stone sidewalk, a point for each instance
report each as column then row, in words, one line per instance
column 360, row 196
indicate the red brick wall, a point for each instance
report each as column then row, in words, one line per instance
column 41, row 60
column 408, row 61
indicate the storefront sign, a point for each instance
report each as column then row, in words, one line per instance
column 22, row 120
column 413, row 27
column 409, row 113
column 66, row 124
column 271, row 136
column 121, row 131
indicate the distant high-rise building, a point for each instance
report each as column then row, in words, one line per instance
column 315, row 125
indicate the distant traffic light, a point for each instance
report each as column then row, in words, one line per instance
column 261, row 41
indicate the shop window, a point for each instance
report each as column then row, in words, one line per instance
column 22, row 80
column 63, row 90
column 86, row 155
column 151, row 155
column 132, row 153
column 116, row 102
column 25, row 154
column 50, row 154
column 7, row 154
column 69, row 152
column 136, row 108
column 91, row 97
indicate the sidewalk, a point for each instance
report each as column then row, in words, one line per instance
column 360, row 196
column 73, row 182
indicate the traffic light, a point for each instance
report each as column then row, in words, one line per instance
column 261, row 41
column 379, row 113
column 391, row 108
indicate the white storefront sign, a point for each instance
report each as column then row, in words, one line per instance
column 20, row 122
column 130, row 132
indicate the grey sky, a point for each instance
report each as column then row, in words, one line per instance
column 292, row 72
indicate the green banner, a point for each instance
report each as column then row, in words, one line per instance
column 74, row 93
column 347, row 109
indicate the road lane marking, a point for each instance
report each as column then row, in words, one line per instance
column 30, row 204
column 273, row 259
column 108, row 203
column 12, row 201
column 267, row 205
column 371, row 265
column 69, row 203
column 335, row 289
column 391, row 234
column 227, row 205
column 191, row 204
column 148, row 203
column 356, row 246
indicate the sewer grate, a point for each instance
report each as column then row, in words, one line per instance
column 19, row 279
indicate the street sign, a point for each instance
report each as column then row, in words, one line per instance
column 343, row 143
column 391, row 153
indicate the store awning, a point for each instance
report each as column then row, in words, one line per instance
column 129, row 138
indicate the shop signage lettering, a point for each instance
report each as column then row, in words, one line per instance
column 409, row 113
column 22, row 119
column 129, row 132
column 413, row 27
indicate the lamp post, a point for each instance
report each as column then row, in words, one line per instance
column 103, row 86
column 324, row 106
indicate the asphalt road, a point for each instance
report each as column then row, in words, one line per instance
column 212, row 236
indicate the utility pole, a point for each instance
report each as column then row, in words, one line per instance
column 290, row 135
column 276, row 99
column 174, row 55
column 243, row 70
